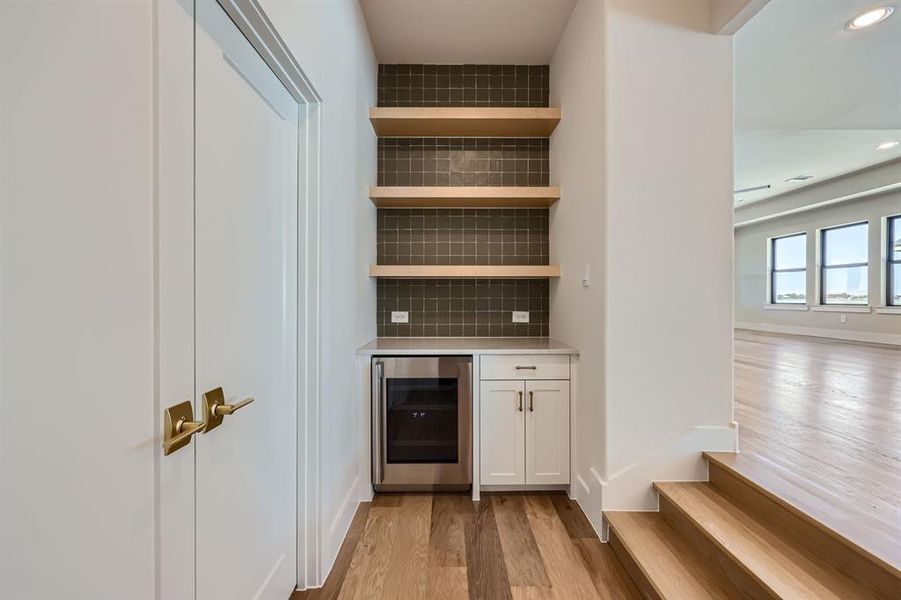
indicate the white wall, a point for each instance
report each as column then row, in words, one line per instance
column 751, row 273
column 669, row 227
column 644, row 158
column 76, row 324
column 330, row 41
column 578, row 231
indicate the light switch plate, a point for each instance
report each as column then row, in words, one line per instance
column 400, row 316
column 520, row 316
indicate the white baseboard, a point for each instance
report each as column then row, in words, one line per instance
column 588, row 497
column 891, row 339
column 583, row 488
column 677, row 460
column 337, row 530
column 544, row 487
column 278, row 574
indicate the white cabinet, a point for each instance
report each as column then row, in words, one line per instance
column 502, row 427
column 524, row 424
column 547, row 432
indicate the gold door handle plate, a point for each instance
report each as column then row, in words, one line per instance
column 179, row 427
column 215, row 408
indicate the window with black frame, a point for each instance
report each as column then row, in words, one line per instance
column 843, row 273
column 893, row 266
column 788, row 269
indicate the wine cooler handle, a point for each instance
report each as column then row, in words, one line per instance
column 377, row 386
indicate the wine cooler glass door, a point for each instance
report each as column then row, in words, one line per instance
column 422, row 407
column 421, row 420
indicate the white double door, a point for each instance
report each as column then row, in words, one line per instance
column 525, row 437
column 148, row 253
column 238, row 482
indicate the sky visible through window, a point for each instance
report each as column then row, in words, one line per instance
column 896, row 243
column 791, row 252
column 845, row 252
column 790, row 287
column 895, row 267
column 846, row 245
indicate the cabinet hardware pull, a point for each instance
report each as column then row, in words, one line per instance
column 529, row 368
column 531, row 401
column 520, row 401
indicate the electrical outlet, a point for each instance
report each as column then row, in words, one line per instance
column 843, row 318
column 520, row 316
column 400, row 316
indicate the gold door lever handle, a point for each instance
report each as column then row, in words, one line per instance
column 226, row 409
column 179, row 427
column 186, row 429
column 215, row 408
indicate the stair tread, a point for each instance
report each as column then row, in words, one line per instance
column 669, row 562
column 781, row 564
column 856, row 529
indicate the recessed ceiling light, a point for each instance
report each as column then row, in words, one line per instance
column 870, row 18
column 798, row 178
column 887, row 145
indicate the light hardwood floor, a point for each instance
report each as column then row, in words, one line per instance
column 821, row 419
column 820, row 425
column 508, row 546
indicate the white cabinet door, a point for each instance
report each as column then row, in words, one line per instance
column 547, row 432
column 502, row 429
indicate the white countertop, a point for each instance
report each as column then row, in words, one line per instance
column 466, row 345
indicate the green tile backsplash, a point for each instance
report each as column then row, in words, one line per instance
column 463, row 307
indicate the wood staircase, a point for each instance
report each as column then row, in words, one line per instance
column 731, row 537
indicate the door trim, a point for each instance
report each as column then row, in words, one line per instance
column 248, row 15
column 174, row 223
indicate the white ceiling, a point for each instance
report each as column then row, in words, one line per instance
column 466, row 31
column 812, row 97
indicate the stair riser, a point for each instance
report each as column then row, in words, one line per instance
column 717, row 559
column 840, row 557
column 641, row 582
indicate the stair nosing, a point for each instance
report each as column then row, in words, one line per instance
column 734, row 554
column 698, row 561
column 722, row 547
column 635, row 560
column 800, row 513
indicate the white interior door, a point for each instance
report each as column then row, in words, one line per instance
column 246, row 177
column 77, row 445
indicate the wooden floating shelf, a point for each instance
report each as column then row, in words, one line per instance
column 463, row 121
column 463, row 197
column 464, row 271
